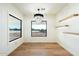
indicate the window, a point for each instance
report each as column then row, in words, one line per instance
column 15, row 28
column 39, row 30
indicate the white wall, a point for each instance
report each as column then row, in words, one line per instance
column 69, row 41
column 7, row 47
column 3, row 30
column 51, row 31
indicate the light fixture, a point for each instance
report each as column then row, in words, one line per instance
column 38, row 17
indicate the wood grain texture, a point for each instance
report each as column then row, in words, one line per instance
column 72, row 33
column 40, row 49
column 62, row 26
column 73, row 15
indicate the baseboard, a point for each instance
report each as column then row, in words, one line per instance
column 42, row 42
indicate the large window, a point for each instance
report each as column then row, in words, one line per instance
column 15, row 28
column 39, row 30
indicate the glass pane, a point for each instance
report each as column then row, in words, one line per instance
column 14, row 28
column 39, row 30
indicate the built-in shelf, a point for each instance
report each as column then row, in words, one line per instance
column 71, row 33
column 62, row 26
column 67, row 18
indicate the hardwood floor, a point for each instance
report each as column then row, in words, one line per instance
column 40, row 49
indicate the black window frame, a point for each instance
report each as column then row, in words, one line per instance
column 20, row 27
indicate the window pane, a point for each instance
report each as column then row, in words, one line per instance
column 39, row 30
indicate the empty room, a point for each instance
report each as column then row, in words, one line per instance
column 39, row 29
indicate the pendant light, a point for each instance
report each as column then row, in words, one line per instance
column 38, row 17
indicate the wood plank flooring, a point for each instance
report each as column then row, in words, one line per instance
column 40, row 49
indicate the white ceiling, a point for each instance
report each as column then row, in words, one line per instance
column 31, row 8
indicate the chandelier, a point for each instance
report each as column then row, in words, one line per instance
column 38, row 17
